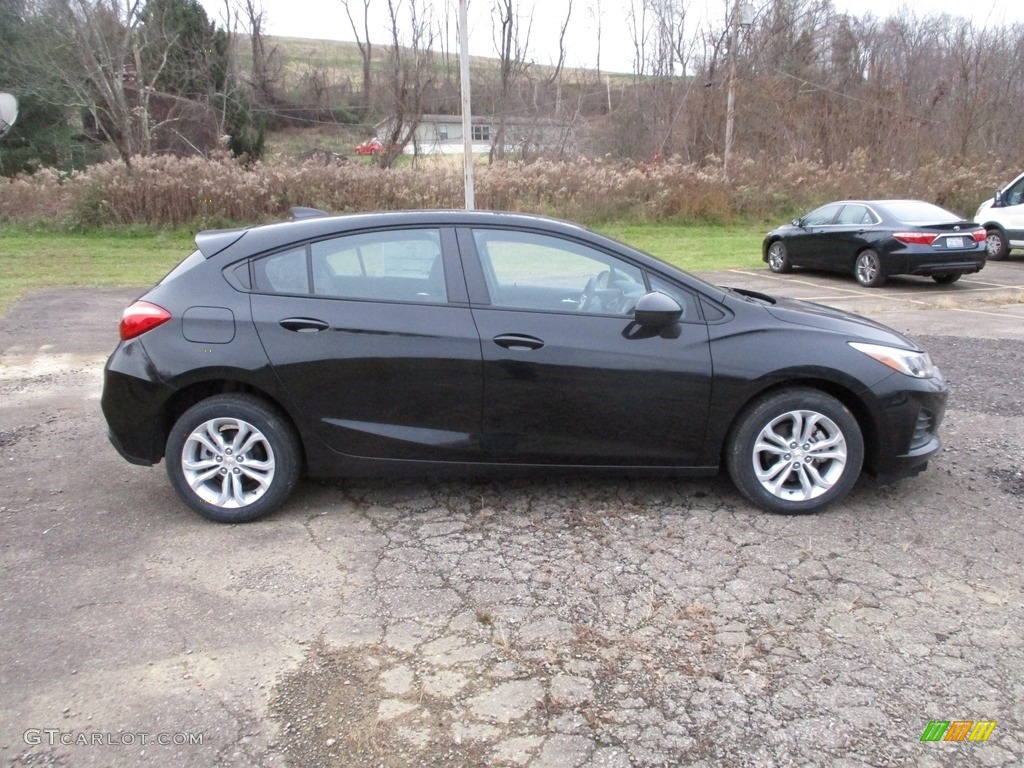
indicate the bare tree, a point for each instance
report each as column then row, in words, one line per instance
column 365, row 51
column 512, row 65
column 661, row 51
column 266, row 64
column 409, row 73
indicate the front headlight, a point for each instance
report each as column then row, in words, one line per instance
column 916, row 364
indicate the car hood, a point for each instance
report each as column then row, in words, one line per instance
column 826, row 318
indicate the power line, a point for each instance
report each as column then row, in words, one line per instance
column 856, row 99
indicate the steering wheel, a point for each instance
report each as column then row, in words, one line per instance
column 589, row 296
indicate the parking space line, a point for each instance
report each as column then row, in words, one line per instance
column 1000, row 315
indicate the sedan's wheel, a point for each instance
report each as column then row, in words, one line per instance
column 778, row 258
column 232, row 458
column 996, row 245
column 795, row 451
column 868, row 269
column 947, row 279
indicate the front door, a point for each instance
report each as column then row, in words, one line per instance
column 569, row 378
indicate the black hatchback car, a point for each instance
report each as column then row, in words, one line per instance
column 873, row 239
column 451, row 342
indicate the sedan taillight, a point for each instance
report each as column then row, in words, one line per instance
column 141, row 317
column 916, row 238
column 979, row 234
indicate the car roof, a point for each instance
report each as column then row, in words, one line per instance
column 264, row 237
column 892, row 201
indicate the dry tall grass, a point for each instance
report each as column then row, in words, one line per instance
column 196, row 192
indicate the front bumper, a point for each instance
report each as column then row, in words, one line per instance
column 910, row 413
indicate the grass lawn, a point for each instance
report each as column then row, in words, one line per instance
column 695, row 247
column 31, row 259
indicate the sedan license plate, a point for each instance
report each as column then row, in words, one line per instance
column 954, row 242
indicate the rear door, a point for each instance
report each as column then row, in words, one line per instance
column 856, row 226
column 372, row 337
column 569, row 378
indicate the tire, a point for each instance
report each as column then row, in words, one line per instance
column 948, row 278
column 868, row 269
column 267, row 467
column 778, row 258
column 996, row 244
column 792, row 476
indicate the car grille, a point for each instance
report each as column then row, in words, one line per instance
column 923, row 429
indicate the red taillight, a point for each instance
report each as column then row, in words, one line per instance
column 916, row 238
column 141, row 317
column 979, row 235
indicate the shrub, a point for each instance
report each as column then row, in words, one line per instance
column 199, row 192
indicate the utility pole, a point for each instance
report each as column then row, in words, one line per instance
column 467, row 111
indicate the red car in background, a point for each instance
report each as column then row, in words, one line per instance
column 372, row 146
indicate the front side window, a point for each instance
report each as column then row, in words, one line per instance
column 1015, row 193
column 524, row 270
column 684, row 298
column 821, row 216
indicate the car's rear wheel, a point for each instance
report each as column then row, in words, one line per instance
column 778, row 258
column 868, row 269
column 996, row 244
column 795, row 451
column 233, row 458
column 947, row 278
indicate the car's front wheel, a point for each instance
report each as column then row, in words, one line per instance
column 868, row 269
column 794, row 451
column 778, row 258
column 948, row 278
column 233, row 458
column 996, row 245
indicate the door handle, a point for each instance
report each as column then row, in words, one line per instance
column 304, row 324
column 515, row 341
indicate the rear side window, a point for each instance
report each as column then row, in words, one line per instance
column 854, row 214
column 284, row 272
column 395, row 265
column 400, row 265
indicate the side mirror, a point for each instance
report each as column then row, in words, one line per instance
column 656, row 310
column 997, row 199
column 797, row 223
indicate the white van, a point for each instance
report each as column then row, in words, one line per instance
column 1003, row 219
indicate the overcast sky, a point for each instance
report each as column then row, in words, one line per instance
column 325, row 19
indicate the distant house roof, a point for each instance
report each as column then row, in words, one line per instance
column 482, row 120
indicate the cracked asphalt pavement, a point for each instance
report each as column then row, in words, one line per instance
column 542, row 622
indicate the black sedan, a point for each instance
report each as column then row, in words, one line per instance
column 873, row 239
column 440, row 343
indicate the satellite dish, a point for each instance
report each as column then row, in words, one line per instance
column 8, row 112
